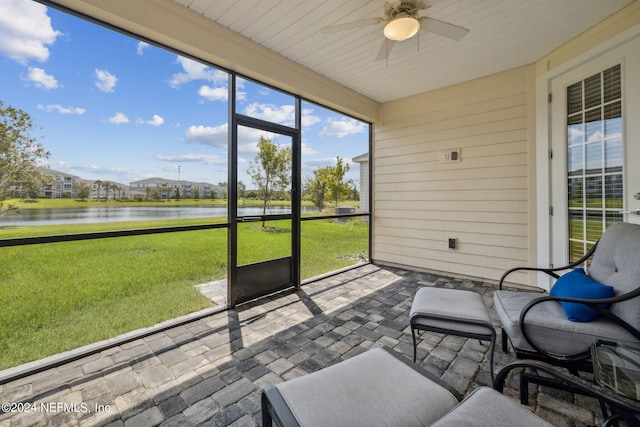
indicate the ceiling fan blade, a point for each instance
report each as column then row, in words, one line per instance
column 442, row 28
column 385, row 49
column 351, row 25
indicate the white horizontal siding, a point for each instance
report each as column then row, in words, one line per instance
column 482, row 201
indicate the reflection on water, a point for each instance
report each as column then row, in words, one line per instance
column 125, row 213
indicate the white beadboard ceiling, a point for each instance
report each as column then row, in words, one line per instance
column 504, row 34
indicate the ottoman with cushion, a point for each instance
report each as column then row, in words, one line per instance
column 380, row 387
column 452, row 312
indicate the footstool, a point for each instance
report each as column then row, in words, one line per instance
column 452, row 312
column 382, row 388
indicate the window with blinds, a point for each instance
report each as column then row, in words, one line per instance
column 595, row 158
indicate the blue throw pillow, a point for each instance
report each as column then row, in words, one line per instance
column 577, row 284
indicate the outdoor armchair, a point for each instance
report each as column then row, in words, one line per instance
column 538, row 324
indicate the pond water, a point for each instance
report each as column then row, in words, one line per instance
column 126, row 213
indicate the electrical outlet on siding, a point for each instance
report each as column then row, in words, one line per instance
column 449, row 156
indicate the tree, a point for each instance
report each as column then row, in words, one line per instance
column 107, row 187
column 315, row 188
column 353, row 194
column 165, row 190
column 82, row 191
column 98, row 184
column 270, row 171
column 242, row 190
column 336, row 188
column 20, row 153
column 328, row 182
column 224, row 193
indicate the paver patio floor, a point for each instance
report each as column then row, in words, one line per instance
column 210, row 372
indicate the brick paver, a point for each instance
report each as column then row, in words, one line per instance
column 210, row 372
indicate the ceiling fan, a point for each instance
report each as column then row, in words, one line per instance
column 401, row 23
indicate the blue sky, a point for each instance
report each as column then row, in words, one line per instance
column 112, row 108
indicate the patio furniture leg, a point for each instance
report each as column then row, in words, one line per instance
column 505, row 343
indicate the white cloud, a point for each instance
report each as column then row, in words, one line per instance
column 62, row 110
column 284, row 114
column 207, row 159
column 113, row 173
column 208, row 135
column 320, row 163
column 214, row 93
column 342, row 128
column 141, row 47
column 248, row 138
column 118, row 119
column 193, row 70
column 41, row 79
column 240, row 95
column 105, row 81
column 25, row 31
column 307, row 150
column 156, row 120
column 308, row 118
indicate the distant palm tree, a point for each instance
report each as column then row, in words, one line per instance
column 107, row 187
column 98, row 183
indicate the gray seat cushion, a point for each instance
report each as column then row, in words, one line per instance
column 548, row 326
column 373, row 388
column 615, row 263
column 486, row 407
column 454, row 310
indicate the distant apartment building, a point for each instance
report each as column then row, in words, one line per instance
column 111, row 190
column 166, row 188
column 59, row 184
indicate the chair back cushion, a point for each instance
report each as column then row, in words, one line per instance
column 616, row 263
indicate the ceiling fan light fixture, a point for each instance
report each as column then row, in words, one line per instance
column 401, row 28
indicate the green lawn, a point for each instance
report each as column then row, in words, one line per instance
column 59, row 296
